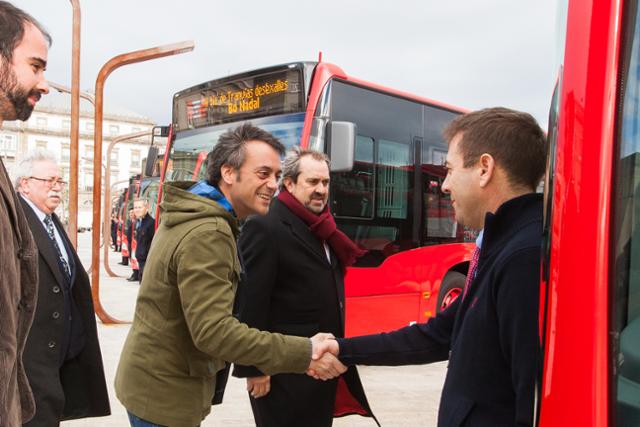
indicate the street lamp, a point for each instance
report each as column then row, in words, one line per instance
column 105, row 71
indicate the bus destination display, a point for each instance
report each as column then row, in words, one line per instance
column 254, row 96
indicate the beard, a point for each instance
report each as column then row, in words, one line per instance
column 14, row 99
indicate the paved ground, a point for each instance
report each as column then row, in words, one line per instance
column 400, row 396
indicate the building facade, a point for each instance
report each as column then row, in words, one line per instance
column 49, row 128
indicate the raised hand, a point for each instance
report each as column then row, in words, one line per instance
column 326, row 368
column 259, row 386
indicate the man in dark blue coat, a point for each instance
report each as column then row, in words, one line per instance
column 495, row 161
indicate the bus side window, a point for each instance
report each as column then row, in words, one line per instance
column 373, row 203
column 353, row 195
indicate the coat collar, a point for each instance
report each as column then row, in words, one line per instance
column 299, row 229
column 43, row 241
column 510, row 217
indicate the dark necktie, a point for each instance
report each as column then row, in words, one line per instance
column 473, row 267
column 64, row 265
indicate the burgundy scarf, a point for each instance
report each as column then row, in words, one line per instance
column 323, row 226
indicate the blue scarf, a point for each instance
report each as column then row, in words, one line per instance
column 204, row 189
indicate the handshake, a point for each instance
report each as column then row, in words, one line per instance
column 324, row 365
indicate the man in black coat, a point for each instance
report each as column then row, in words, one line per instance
column 489, row 334
column 145, row 228
column 293, row 283
column 130, row 225
column 62, row 355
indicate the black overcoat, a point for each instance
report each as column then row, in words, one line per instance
column 77, row 388
column 289, row 286
column 490, row 336
column 144, row 235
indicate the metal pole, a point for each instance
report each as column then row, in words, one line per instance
column 66, row 89
column 106, row 222
column 110, row 66
column 75, row 125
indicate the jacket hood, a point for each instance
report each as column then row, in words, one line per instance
column 179, row 206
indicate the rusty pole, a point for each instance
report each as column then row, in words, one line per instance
column 108, row 68
column 106, row 223
column 75, row 125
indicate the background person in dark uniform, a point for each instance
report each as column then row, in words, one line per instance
column 294, row 261
column 62, row 356
column 114, row 232
column 130, row 225
column 145, row 228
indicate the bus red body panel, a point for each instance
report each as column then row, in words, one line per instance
column 575, row 389
column 403, row 289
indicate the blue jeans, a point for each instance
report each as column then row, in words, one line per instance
column 139, row 422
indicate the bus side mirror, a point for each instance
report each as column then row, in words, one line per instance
column 341, row 138
column 152, row 158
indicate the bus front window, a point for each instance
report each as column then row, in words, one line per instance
column 189, row 151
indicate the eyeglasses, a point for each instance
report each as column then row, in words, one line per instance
column 50, row 182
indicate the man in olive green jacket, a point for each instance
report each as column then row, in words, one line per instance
column 183, row 330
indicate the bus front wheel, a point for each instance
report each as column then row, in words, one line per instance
column 450, row 289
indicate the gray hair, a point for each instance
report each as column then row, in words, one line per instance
column 24, row 168
column 291, row 163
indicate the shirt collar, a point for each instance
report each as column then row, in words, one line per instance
column 479, row 239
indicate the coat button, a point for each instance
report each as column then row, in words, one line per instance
column 55, row 315
column 19, row 253
column 51, row 344
column 56, row 289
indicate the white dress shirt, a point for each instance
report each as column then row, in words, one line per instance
column 41, row 216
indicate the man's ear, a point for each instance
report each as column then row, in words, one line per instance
column 288, row 184
column 23, row 188
column 228, row 174
column 487, row 169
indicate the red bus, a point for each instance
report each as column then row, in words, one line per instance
column 387, row 157
column 591, row 264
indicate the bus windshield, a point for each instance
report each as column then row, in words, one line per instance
column 187, row 159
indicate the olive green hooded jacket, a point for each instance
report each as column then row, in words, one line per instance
column 183, row 329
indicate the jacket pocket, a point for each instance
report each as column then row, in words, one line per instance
column 201, row 366
column 297, row 329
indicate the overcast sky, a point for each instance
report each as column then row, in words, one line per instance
column 472, row 54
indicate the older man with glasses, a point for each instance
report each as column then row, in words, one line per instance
column 62, row 355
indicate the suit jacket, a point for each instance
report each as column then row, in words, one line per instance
column 289, row 286
column 63, row 389
column 490, row 335
column 144, row 235
column 18, row 293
